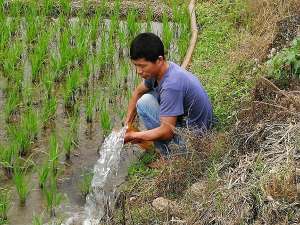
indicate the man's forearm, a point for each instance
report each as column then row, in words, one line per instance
column 159, row 133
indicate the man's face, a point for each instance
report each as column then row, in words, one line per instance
column 147, row 69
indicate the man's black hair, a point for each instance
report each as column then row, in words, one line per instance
column 147, row 46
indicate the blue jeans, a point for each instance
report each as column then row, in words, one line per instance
column 148, row 110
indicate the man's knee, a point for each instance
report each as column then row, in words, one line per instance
column 145, row 101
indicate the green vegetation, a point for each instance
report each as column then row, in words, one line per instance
column 43, row 173
column 21, row 183
column 53, row 154
column 286, row 64
column 226, row 83
column 4, row 205
column 86, row 182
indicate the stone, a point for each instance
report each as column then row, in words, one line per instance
column 162, row 204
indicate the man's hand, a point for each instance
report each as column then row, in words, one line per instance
column 133, row 137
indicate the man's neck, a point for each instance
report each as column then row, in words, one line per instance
column 162, row 71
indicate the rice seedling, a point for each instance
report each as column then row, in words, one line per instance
column 149, row 18
column 81, row 41
column 48, row 110
column 105, row 120
column 21, row 183
column 67, row 54
column 48, row 83
column 68, row 144
column 38, row 56
column 4, row 204
column 53, row 154
column 37, row 220
column 85, row 182
column 48, row 6
column 8, row 156
column 167, row 34
column 4, row 35
column 132, row 25
column 12, row 60
column 65, row 7
column 89, row 107
column 34, row 26
column 30, row 123
column 71, row 87
column 11, row 104
column 19, row 134
column 86, row 72
column 74, row 126
column 123, row 41
column 52, row 196
column 43, row 173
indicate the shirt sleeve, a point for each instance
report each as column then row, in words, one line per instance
column 171, row 103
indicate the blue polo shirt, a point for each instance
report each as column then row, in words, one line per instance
column 181, row 94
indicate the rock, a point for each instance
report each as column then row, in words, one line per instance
column 197, row 188
column 162, row 204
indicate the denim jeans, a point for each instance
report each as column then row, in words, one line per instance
column 148, row 110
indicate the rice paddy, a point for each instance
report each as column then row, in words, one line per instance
column 66, row 84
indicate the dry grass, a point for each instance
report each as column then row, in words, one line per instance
column 265, row 16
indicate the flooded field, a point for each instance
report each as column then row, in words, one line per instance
column 64, row 86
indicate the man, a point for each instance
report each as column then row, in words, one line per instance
column 168, row 96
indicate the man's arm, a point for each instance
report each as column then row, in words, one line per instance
column 137, row 93
column 164, row 132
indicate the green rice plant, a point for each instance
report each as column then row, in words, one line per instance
column 48, row 110
column 8, row 156
column 68, row 144
column 65, row 7
column 48, row 7
column 66, row 52
column 15, row 9
column 12, row 102
column 167, row 34
column 85, row 182
column 5, row 35
column 4, row 204
column 82, row 38
column 53, row 154
column 20, row 135
column 85, row 74
column 71, row 87
column 114, row 25
column 52, row 196
column 132, row 24
column 38, row 56
column 37, row 220
column 34, row 26
column 105, row 120
column 48, row 83
column 74, row 126
column 149, row 19
column 30, row 122
column 90, row 102
column 43, row 173
column 93, row 27
column 21, row 183
column 12, row 61
column 123, row 41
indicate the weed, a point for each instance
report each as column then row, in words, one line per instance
column 4, row 204
column 21, row 183
column 140, row 168
column 286, row 64
column 86, row 182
